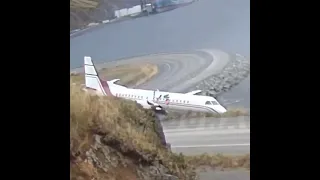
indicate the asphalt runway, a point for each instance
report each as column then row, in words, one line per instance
column 211, row 135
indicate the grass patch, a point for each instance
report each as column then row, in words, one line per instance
column 82, row 12
column 219, row 161
column 83, row 4
column 130, row 147
column 130, row 75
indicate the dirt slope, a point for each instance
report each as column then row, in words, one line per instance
column 116, row 139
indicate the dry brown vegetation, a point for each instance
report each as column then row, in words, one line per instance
column 219, row 161
column 113, row 138
column 81, row 12
column 83, row 3
column 127, row 129
column 130, row 75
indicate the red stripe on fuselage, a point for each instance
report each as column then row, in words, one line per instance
column 105, row 86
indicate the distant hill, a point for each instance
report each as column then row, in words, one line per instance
column 83, row 12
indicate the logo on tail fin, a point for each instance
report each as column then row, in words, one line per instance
column 92, row 78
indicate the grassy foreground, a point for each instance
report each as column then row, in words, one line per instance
column 130, row 75
column 112, row 138
column 127, row 133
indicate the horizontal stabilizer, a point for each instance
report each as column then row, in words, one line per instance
column 194, row 92
column 114, row 81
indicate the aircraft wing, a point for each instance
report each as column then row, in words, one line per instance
column 194, row 92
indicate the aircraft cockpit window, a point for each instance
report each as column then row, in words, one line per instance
column 214, row 103
column 208, row 103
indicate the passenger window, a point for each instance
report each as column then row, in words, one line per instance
column 214, row 102
column 208, row 103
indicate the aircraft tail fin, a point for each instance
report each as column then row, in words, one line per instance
column 92, row 79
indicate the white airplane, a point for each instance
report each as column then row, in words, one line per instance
column 157, row 100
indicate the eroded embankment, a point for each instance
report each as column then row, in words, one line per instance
column 116, row 139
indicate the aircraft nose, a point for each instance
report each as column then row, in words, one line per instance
column 221, row 109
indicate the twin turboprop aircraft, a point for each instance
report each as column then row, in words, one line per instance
column 159, row 101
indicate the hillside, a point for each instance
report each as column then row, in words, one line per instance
column 116, row 139
column 83, row 12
